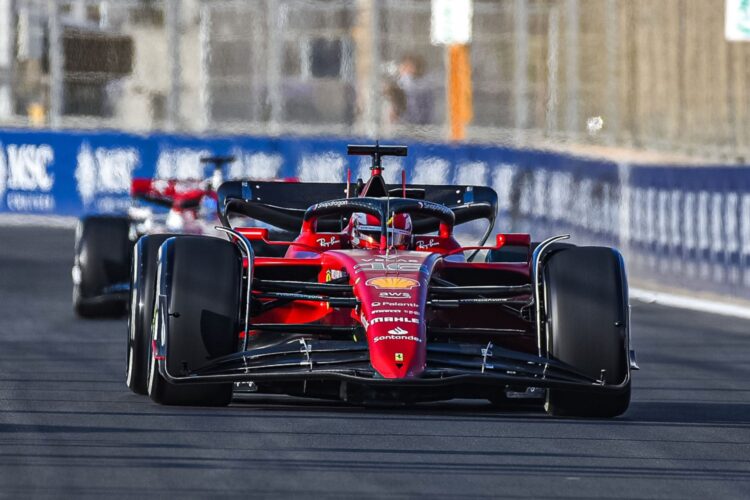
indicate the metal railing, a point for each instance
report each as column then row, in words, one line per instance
column 655, row 75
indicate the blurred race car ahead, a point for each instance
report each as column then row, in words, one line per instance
column 104, row 243
column 375, row 301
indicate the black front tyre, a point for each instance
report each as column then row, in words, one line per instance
column 102, row 259
column 201, row 280
column 587, row 327
column 142, row 291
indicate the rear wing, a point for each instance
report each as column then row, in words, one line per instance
column 167, row 193
column 283, row 205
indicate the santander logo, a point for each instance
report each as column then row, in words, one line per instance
column 398, row 331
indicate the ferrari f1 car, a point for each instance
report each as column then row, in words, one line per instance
column 376, row 301
column 104, row 243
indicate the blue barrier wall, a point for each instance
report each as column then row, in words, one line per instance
column 679, row 225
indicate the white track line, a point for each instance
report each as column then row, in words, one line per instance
column 17, row 220
column 639, row 294
column 685, row 302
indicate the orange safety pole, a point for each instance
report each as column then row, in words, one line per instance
column 460, row 107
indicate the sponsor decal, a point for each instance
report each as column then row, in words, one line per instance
column 395, row 304
column 181, row 164
column 394, row 295
column 334, row 274
column 330, row 204
column 30, row 202
column 399, row 357
column 390, row 266
column 394, row 258
column 333, row 241
column 28, row 166
column 392, row 282
column 435, row 207
column 258, row 166
column 24, row 170
column 104, row 171
column 397, row 337
column 346, row 202
column 322, row 167
column 431, row 170
column 394, row 311
column 393, row 319
column 397, row 331
column 427, row 244
column 472, row 173
column 3, row 170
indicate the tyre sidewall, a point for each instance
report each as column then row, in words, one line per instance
column 587, row 326
column 102, row 258
column 142, row 292
column 199, row 278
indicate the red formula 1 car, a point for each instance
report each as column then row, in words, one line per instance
column 104, row 243
column 376, row 301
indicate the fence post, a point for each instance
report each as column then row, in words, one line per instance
column 55, row 64
column 572, row 79
column 373, row 118
column 521, row 60
column 274, row 25
column 172, row 18
column 205, row 76
column 612, row 119
column 7, row 38
column 553, row 61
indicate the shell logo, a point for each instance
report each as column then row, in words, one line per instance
column 392, row 282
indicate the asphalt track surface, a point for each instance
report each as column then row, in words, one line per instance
column 70, row 428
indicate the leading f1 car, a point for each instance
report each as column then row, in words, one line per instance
column 375, row 300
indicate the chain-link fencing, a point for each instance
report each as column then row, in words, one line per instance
column 630, row 73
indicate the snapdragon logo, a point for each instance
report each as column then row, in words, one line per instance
column 25, row 175
column 107, row 171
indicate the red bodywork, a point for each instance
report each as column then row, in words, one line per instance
column 392, row 288
column 180, row 194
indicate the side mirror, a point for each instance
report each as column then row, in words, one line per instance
column 254, row 233
column 514, row 239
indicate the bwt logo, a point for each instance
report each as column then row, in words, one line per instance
column 104, row 171
column 25, row 167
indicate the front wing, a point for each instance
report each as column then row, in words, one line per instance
column 447, row 364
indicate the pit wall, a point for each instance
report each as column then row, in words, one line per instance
column 680, row 226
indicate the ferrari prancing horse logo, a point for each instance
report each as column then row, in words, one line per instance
column 392, row 282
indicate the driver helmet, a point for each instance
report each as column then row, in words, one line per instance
column 365, row 229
